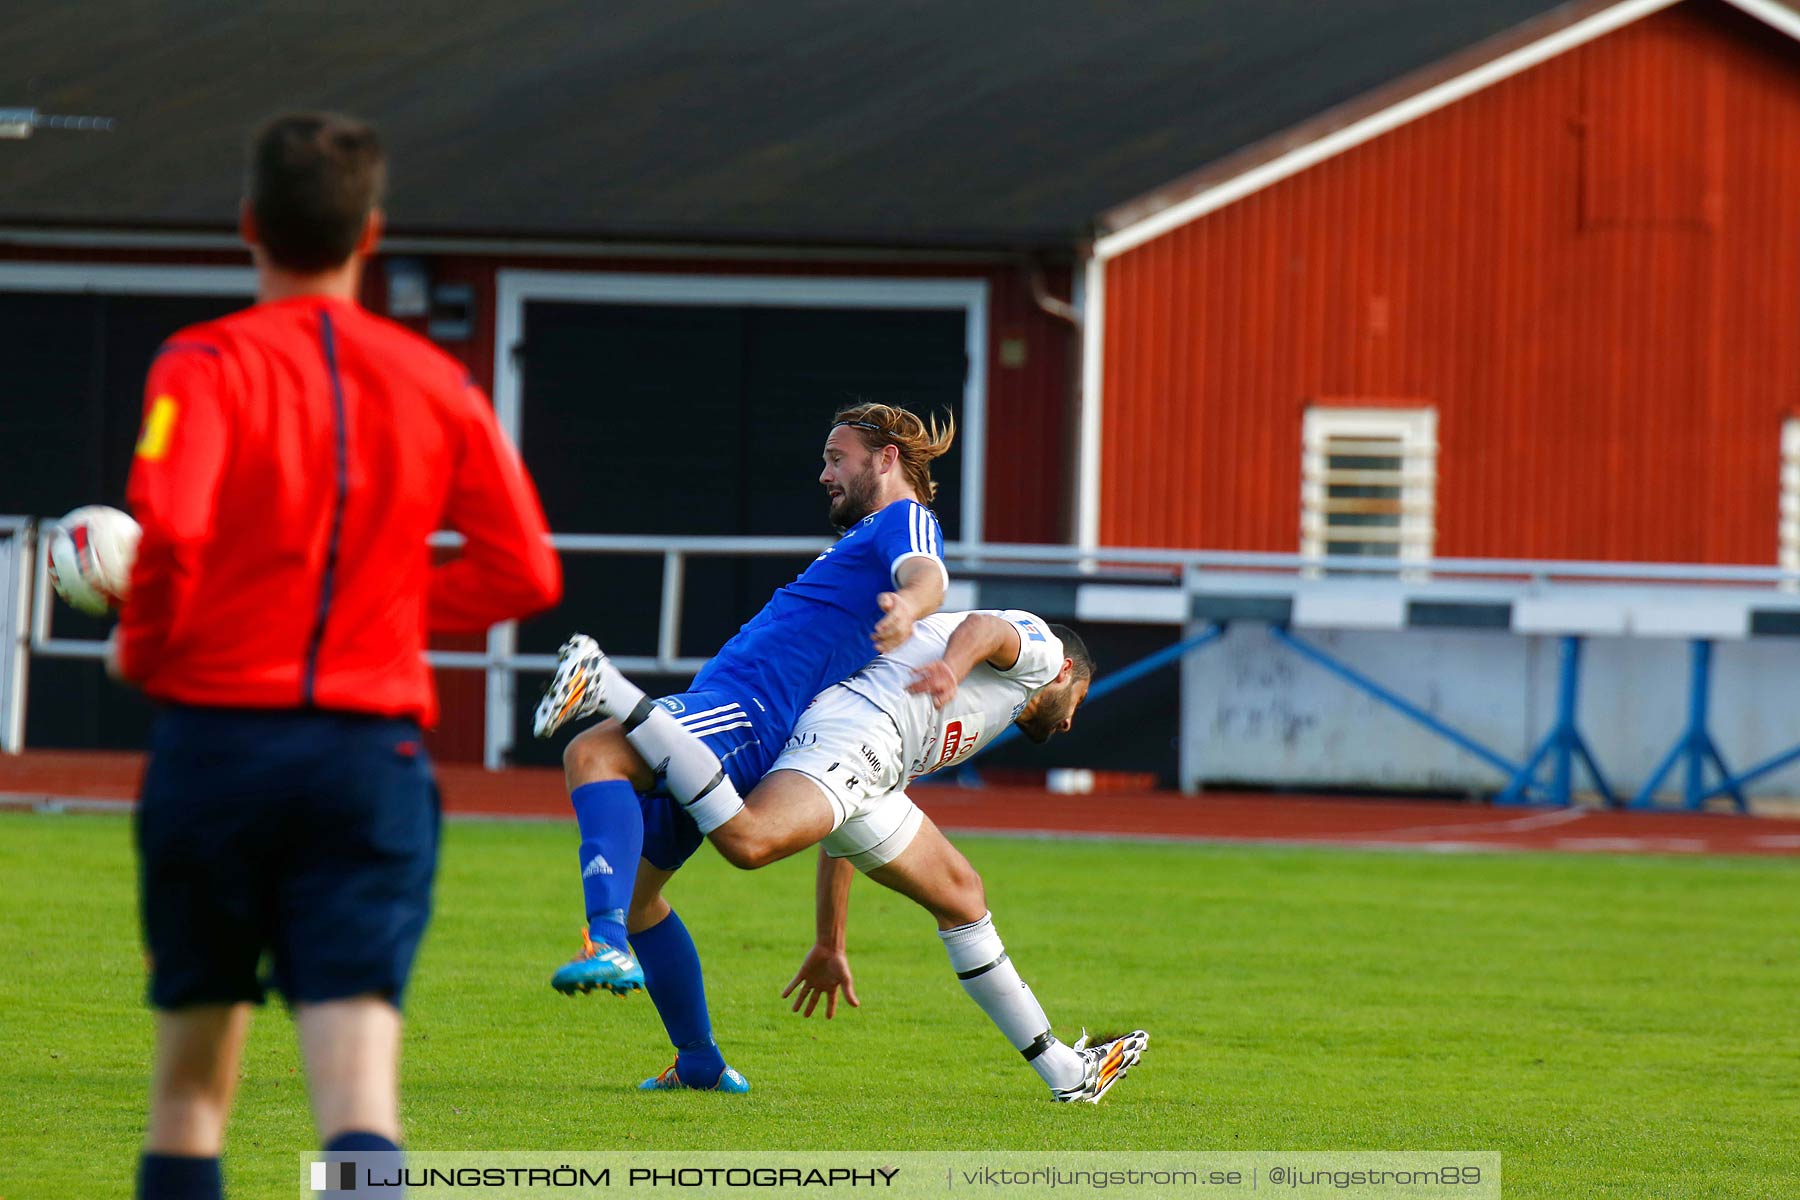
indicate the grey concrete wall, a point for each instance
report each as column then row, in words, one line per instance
column 1255, row 712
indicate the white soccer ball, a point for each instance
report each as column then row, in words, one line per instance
column 91, row 553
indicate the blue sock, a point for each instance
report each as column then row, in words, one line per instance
column 178, row 1177
column 612, row 838
column 372, row 1172
column 672, row 977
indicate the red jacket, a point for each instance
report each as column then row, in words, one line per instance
column 293, row 460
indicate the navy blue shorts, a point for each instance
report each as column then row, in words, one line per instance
column 303, row 840
column 723, row 721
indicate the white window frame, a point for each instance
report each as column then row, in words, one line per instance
column 119, row 279
column 1415, row 429
column 514, row 288
column 104, row 279
column 1788, row 535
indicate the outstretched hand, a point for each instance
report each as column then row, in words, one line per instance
column 934, row 679
column 822, row 974
column 892, row 631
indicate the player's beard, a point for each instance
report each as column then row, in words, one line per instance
column 858, row 500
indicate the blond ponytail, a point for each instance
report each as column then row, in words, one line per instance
column 919, row 440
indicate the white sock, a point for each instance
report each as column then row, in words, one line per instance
column 693, row 772
column 979, row 960
column 621, row 695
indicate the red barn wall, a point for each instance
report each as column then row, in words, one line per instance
column 1591, row 270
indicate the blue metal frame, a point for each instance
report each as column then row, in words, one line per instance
column 1151, row 663
column 1124, row 677
column 1563, row 744
column 1519, row 774
column 1734, row 786
column 1696, row 748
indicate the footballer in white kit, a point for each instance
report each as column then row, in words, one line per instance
column 947, row 692
column 865, row 739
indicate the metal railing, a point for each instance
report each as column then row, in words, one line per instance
column 26, row 593
column 15, row 575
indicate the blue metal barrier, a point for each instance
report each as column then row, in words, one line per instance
column 1696, row 748
column 1519, row 774
column 1562, row 745
column 1124, row 677
column 1733, row 786
column 1151, row 663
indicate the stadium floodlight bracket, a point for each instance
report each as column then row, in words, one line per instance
column 18, row 123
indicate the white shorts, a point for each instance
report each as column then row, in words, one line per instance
column 851, row 750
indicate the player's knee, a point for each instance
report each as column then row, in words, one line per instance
column 743, row 857
column 742, row 845
column 582, row 756
column 597, row 753
column 967, row 895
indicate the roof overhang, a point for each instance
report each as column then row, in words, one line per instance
column 500, row 246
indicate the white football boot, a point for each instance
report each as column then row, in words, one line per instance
column 577, row 690
column 1106, row 1064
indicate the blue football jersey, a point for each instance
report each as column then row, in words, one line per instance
column 818, row 630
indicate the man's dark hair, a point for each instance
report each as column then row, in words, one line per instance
column 314, row 179
column 1075, row 650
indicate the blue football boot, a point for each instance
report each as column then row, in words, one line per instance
column 729, row 1081
column 599, row 965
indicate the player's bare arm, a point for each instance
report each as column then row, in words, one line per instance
column 920, row 594
column 981, row 638
column 827, row 967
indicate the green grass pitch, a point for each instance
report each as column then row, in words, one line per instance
column 1613, row 1026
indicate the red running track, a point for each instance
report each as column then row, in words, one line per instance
column 106, row 779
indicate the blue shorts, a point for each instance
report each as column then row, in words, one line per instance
column 308, row 839
column 724, row 722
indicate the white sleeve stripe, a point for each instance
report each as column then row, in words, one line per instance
column 912, row 554
column 918, row 529
column 689, row 717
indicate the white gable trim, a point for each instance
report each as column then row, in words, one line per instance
column 1774, row 15
column 1211, row 199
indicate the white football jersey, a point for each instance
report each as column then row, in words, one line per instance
column 987, row 702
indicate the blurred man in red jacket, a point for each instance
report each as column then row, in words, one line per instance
column 294, row 459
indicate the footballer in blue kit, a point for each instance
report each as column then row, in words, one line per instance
column 816, row 630
column 651, row 781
